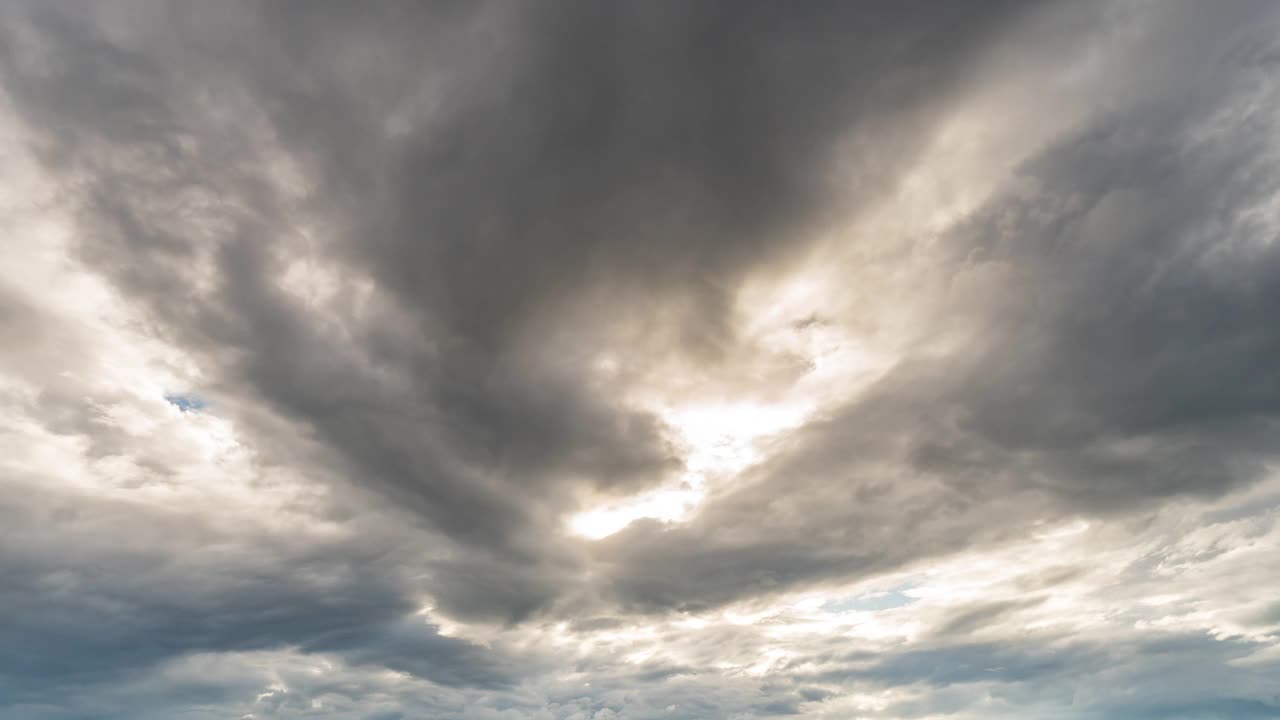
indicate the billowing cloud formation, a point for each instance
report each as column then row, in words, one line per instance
column 637, row 360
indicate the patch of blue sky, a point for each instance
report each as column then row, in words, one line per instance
column 186, row 402
column 871, row 602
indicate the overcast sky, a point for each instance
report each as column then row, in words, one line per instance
column 605, row 360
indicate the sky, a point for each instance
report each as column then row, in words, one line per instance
column 581, row 360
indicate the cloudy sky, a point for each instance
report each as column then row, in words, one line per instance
column 581, row 360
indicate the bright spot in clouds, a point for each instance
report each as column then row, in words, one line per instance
column 720, row 440
column 664, row 505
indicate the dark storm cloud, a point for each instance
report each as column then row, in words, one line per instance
column 1117, row 346
column 650, row 148
column 583, row 167
column 469, row 425
column 75, row 612
column 1140, row 361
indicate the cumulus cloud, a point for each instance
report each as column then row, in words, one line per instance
column 638, row 360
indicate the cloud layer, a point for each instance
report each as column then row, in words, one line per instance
column 639, row 360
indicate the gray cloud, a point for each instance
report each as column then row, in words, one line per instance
column 81, row 617
column 421, row 259
column 617, row 156
column 1127, row 356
